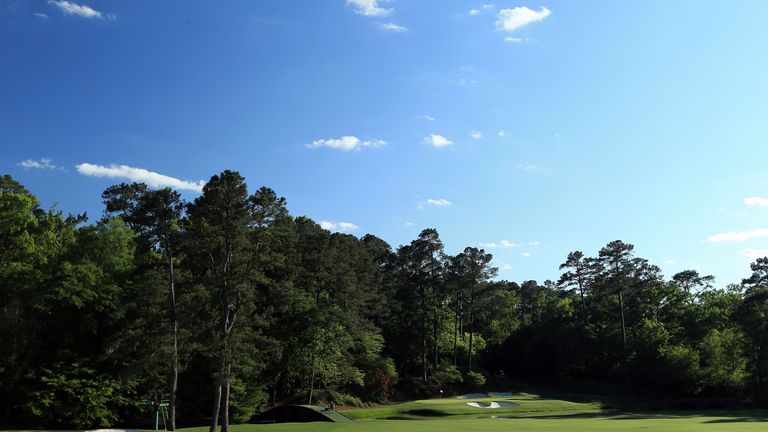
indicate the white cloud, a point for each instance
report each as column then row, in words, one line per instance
column 338, row 226
column 408, row 224
column 738, row 235
column 489, row 6
column 529, row 167
column 526, row 254
column 511, row 39
column 756, row 201
column 369, row 8
column 345, row 143
column 468, row 82
column 139, row 175
column 426, row 117
column 502, row 244
column 44, row 163
column 508, row 244
column 40, row 15
column 510, row 20
column 440, row 202
column 670, row 261
column 70, row 8
column 753, row 253
column 476, row 135
column 392, row 27
column 474, row 12
column 438, row 141
column 502, row 133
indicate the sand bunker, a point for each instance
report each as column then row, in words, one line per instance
column 473, row 396
column 112, row 430
column 494, row 404
column 500, row 394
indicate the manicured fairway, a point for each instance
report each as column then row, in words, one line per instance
column 608, row 422
column 534, row 414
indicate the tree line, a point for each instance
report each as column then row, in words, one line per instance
column 228, row 303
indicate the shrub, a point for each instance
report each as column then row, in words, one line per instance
column 474, row 379
column 445, row 375
column 77, row 396
column 378, row 385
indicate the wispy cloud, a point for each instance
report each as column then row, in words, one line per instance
column 485, row 7
column 426, row 117
column 44, row 164
column 369, row 8
column 529, row 167
column 511, row 39
column 439, row 202
column 345, row 143
column 502, row 133
column 71, row 8
column 139, row 175
column 501, row 244
column 756, row 201
column 438, row 141
column 526, row 254
column 476, row 135
column 338, row 226
column 753, row 253
column 508, row 244
column 509, row 20
column 392, row 27
column 40, row 15
column 738, row 236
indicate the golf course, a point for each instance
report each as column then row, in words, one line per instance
column 531, row 413
column 383, row 216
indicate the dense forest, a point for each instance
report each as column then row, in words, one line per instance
column 229, row 303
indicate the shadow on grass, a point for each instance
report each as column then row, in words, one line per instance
column 739, row 420
column 426, row 413
column 728, row 417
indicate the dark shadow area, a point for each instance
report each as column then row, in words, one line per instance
column 426, row 413
column 292, row 414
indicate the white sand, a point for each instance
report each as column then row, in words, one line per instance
column 473, row 396
column 494, row 404
column 112, row 430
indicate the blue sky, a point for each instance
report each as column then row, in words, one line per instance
column 529, row 128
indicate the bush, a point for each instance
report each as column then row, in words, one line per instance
column 244, row 400
column 378, row 385
column 73, row 395
column 340, row 398
column 474, row 379
column 445, row 375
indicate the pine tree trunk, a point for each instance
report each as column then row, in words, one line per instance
column 175, row 331
column 434, row 337
column 311, row 385
column 423, row 335
column 624, row 338
column 471, row 334
column 225, row 405
column 216, row 406
column 455, row 338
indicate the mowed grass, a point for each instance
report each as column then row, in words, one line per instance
column 434, row 408
column 534, row 414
